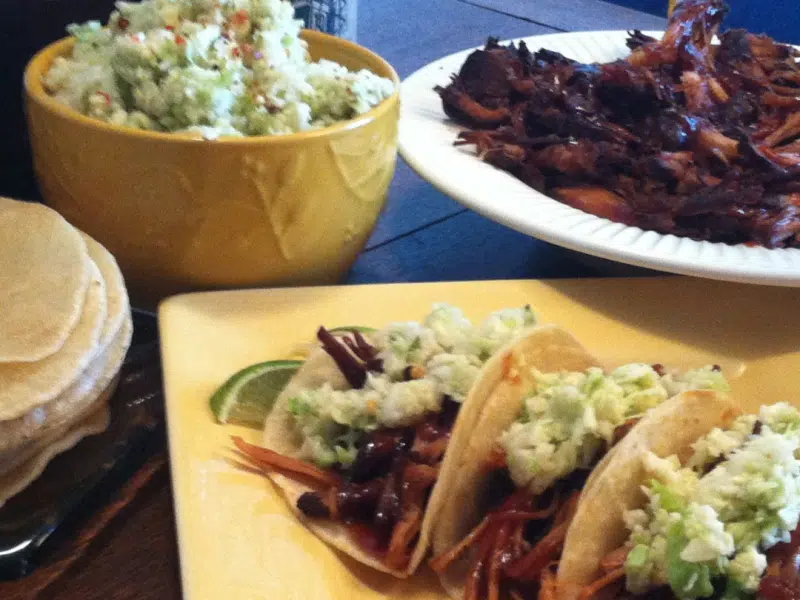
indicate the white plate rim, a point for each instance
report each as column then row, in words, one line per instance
column 425, row 143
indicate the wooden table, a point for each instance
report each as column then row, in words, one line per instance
column 422, row 236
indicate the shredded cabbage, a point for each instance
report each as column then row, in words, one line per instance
column 227, row 67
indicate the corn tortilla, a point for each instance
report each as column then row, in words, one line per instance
column 117, row 303
column 598, row 526
column 547, row 348
column 279, row 436
column 74, row 400
column 26, row 385
column 44, row 273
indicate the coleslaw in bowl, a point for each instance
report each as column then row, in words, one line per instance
column 208, row 67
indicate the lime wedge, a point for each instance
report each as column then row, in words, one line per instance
column 351, row 328
column 248, row 396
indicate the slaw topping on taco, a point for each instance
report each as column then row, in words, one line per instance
column 356, row 440
column 715, row 517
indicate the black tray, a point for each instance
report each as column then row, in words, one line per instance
column 79, row 482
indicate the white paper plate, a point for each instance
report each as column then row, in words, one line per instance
column 426, row 143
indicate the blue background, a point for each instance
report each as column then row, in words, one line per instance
column 777, row 18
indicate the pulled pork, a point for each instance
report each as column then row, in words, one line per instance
column 381, row 497
column 513, row 550
column 683, row 136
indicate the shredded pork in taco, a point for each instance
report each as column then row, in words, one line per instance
column 357, row 440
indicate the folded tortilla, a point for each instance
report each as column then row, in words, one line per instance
column 504, row 383
column 545, row 345
column 598, row 526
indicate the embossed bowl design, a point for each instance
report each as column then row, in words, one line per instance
column 183, row 214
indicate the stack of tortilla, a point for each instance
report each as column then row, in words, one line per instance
column 65, row 327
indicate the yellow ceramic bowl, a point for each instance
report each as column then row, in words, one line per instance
column 184, row 214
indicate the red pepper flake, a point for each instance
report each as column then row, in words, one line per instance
column 236, row 51
column 510, row 370
column 170, row 28
column 106, row 96
column 123, row 23
column 240, row 17
column 180, row 40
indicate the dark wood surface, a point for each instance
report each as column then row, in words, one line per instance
column 422, row 236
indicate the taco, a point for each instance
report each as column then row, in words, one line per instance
column 546, row 432
column 713, row 515
column 357, row 439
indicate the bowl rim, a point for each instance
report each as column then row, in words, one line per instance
column 35, row 92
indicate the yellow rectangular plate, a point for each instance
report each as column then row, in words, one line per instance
column 238, row 540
